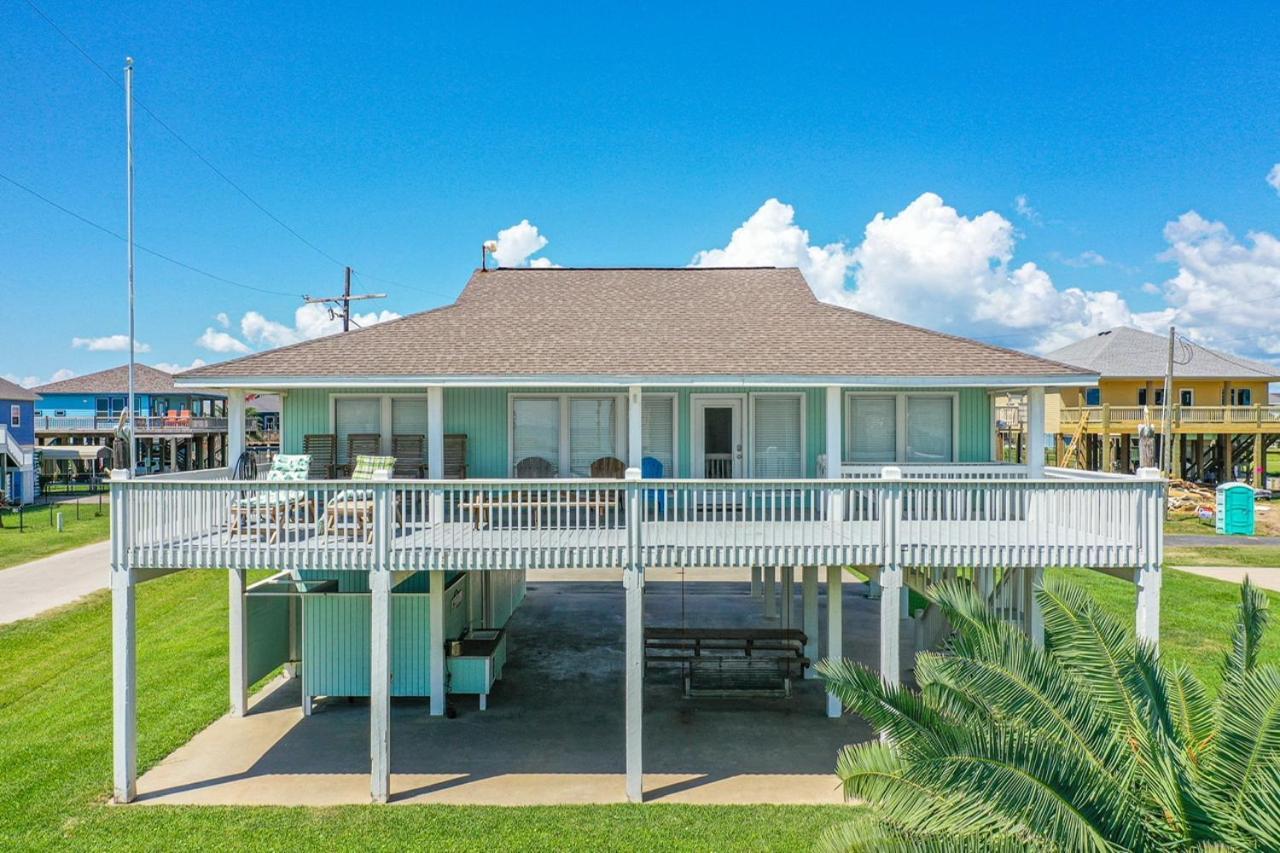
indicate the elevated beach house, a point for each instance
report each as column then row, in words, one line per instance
column 176, row 429
column 615, row 419
column 17, row 442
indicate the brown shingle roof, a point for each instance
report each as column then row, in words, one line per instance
column 115, row 380
column 637, row 323
column 12, row 391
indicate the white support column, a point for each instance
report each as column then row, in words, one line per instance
column 124, row 651
column 835, row 448
column 1148, row 578
column 788, row 596
column 635, row 421
column 435, row 447
column 757, row 589
column 770, row 592
column 173, row 454
column 380, row 684
column 284, row 407
column 235, row 427
column 809, row 594
column 633, row 584
column 437, row 600
column 835, row 627
column 891, row 580
column 238, row 629
column 1033, row 581
column 1035, row 431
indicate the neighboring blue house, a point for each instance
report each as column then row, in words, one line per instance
column 17, row 442
column 177, row 429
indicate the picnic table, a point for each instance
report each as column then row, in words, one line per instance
column 730, row 661
column 538, row 501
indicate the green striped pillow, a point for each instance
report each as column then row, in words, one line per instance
column 366, row 466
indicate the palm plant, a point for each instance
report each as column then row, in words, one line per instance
column 1094, row 742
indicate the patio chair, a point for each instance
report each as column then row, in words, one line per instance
column 408, row 451
column 184, row 417
column 608, row 468
column 455, row 457
column 273, row 508
column 323, row 450
column 535, row 468
column 171, row 417
column 652, row 469
column 357, row 506
column 359, row 444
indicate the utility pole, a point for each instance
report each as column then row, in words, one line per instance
column 346, row 301
column 1166, row 424
column 342, row 304
column 128, row 131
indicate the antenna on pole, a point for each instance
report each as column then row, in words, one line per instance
column 341, row 305
column 128, row 125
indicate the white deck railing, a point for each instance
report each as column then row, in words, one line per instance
column 142, row 424
column 495, row 524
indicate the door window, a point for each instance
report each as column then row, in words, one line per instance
column 929, row 429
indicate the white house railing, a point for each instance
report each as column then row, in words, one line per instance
column 938, row 471
column 147, row 423
column 494, row 524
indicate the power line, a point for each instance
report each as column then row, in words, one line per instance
column 105, row 230
column 184, row 142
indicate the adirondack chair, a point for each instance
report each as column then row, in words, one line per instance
column 455, row 457
column 360, row 444
column 408, row 451
column 608, row 468
column 652, row 469
column 323, row 450
column 171, row 417
column 535, row 468
column 184, row 417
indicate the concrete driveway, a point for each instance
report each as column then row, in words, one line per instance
column 554, row 729
column 32, row 588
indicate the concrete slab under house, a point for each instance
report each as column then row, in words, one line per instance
column 606, row 425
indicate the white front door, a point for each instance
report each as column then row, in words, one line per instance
column 717, row 438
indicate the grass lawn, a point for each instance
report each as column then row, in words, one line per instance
column 1196, row 615
column 40, row 537
column 55, row 757
column 1223, row 555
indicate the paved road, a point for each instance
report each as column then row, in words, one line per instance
column 1197, row 540
column 32, row 588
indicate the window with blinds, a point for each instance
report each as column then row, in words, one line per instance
column 776, row 437
column 593, row 432
column 657, row 431
column 355, row 415
column 535, row 429
column 929, row 429
column 871, row 429
column 409, row 417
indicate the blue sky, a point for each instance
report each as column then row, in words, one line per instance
column 398, row 139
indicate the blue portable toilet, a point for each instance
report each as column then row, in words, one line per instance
column 1234, row 509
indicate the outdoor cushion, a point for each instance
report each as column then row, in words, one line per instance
column 289, row 467
column 367, row 466
column 270, row 499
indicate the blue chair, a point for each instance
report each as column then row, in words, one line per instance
column 651, row 469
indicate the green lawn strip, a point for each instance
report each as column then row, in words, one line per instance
column 55, row 756
column 39, row 536
column 1196, row 615
column 1222, row 555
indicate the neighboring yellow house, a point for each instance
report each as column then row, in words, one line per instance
column 1222, row 418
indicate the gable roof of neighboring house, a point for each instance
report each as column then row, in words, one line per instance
column 1128, row 353
column 643, row 323
column 12, row 391
column 115, row 380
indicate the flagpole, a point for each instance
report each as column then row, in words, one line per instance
column 128, row 124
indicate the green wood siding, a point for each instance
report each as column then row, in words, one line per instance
column 267, row 634
column 481, row 413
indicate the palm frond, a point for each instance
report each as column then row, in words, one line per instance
column 894, row 710
column 1242, row 768
column 1192, row 710
column 1251, row 622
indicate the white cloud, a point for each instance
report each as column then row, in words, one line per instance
column 33, row 381
column 169, row 367
column 517, row 243
column 223, row 320
column 770, row 237
column 1273, row 177
column 1022, row 206
column 109, row 343
column 1226, row 292
column 544, row 264
column 1087, row 258
column 216, row 341
column 931, row 266
column 309, row 321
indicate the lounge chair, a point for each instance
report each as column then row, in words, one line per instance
column 273, row 508
column 323, row 450
column 356, row 507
